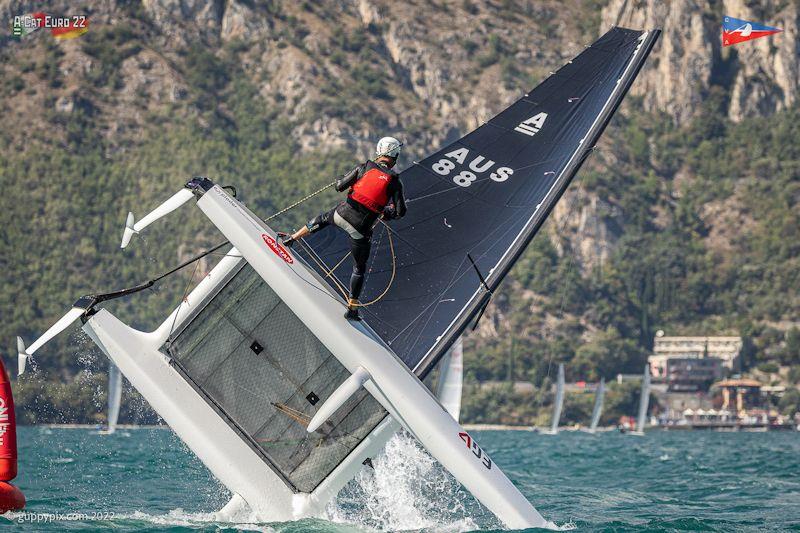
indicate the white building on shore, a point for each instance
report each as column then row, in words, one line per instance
column 686, row 363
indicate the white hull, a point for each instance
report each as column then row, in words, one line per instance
column 229, row 457
column 400, row 392
column 226, row 455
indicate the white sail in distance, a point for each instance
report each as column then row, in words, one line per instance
column 451, row 378
column 559, row 401
column 114, row 396
column 598, row 405
column 644, row 400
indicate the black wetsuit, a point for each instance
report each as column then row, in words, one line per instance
column 357, row 220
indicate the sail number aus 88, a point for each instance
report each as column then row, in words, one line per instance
column 477, row 166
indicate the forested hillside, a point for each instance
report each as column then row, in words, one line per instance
column 684, row 219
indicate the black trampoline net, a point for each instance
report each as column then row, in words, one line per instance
column 260, row 367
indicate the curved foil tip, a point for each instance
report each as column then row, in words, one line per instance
column 22, row 356
column 127, row 234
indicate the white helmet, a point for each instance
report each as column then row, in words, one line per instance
column 388, row 146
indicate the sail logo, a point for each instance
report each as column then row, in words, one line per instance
column 4, row 420
column 532, row 125
column 476, row 450
column 279, row 250
column 60, row 27
column 735, row 31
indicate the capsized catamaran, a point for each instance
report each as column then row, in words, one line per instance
column 644, row 403
column 282, row 398
column 558, row 402
column 598, row 405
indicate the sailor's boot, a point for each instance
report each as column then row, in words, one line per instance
column 352, row 310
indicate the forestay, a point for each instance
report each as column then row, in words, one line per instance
column 485, row 195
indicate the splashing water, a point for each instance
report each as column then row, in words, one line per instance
column 596, row 483
column 406, row 490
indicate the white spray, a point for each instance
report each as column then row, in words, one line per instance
column 406, row 490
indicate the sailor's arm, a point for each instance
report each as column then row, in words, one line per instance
column 397, row 203
column 349, row 178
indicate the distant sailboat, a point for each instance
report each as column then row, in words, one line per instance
column 598, row 405
column 644, row 402
column 114, row 397
column 559, row 402
column 451, row 377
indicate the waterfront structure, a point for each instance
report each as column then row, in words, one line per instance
column 740, row 394
column 693, row 363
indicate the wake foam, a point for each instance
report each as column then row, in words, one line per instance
column 406, row 490
column 194, row 520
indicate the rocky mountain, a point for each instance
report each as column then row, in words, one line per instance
column 680, row 220
column 763, row 76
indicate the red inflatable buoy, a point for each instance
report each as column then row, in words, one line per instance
column 11, row 498
column 8, row 429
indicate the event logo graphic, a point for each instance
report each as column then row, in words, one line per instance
column 279, row 250
column 60, row 27
column 736, row 31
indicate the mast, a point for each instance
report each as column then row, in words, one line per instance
column 559, row 403
column 598, row 405
column 644, row 400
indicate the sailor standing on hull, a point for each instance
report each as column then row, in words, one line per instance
column 375, row 192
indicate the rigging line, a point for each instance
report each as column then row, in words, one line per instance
column 434, row 304
column 330, row 272
column 298, row 416
column 185, row 293
column 453, row 280
column 189, row 262
column 300, row 201
column 322, row 266
column 563, row 290
column 394, row 270
column 150, row 283
column 456, row 276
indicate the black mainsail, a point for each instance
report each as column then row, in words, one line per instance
column 482, row 199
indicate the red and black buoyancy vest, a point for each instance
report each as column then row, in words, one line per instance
column 372, row 190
